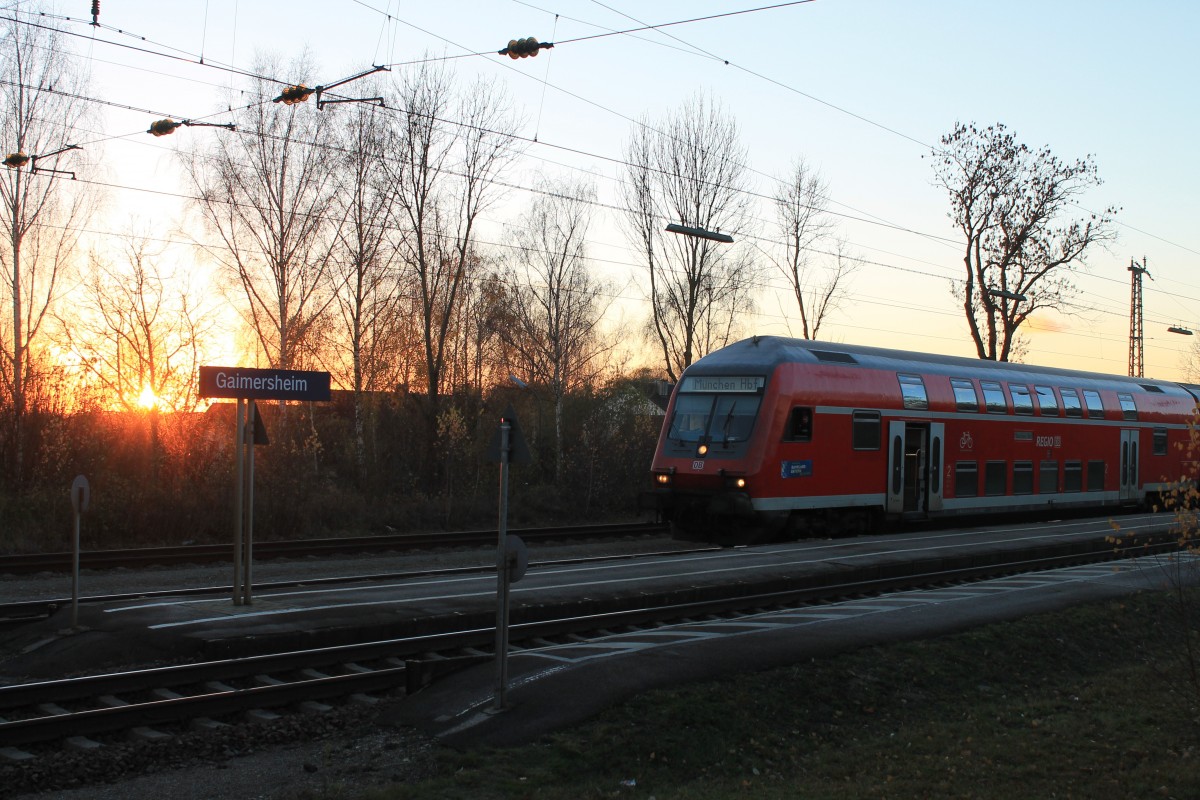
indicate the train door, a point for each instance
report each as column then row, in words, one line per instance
column 909, row 461
column 937, row 435
column 1129, row 465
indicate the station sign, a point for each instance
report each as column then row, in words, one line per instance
column 264, row 384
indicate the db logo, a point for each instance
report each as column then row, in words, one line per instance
column 697, row 465
column 965, row 442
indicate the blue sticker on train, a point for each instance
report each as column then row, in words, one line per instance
column 797, row 469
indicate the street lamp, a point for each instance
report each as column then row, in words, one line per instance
column 1007, row 295
column 699, row 233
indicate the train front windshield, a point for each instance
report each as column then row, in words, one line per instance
column 718, row 418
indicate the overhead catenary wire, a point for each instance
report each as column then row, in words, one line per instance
column 592, row 155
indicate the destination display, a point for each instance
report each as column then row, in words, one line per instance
column 722, row 383
column 263, row 384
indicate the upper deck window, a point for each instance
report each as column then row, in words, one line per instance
column 1070, row 401
column 1128, row 408
column 993, row 397
column 913, row 389
column 964, row 395
column 1046, row 401
column 1022, row 402
column 1095, row 406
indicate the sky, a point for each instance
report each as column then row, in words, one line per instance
column 860, row 89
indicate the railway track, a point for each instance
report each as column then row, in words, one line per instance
column 148, row 704
column 133, row 558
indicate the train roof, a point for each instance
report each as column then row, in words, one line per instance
column 761, row 354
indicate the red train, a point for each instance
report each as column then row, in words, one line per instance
column 774, row 437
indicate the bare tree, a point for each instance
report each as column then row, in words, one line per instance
column 689, row 169
column 139, row 329
column 556, row 303
column 801, row 214
column 1010, row 202
column 366, row 289
column 442, row 172
column 41, row 111
column 265, row 192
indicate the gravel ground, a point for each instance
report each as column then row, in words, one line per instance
column 338, row 753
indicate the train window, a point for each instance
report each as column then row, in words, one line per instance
column 1023, row 477
column 867, row 430
column 964, row 395
column 800, row 425
column 993, row 397
column 1160, row 441
column 1046, row 401
column 1095, row 406
column 1048, row 477
column 995, row 479
column 1070, row 401
column 704, row 417
column 691, row 417
column 913, row 389
column 966, row 479
column 733, row 418
column 1022, row 402
column 1128, row 408
column 1095, row 476
column 1073, row 476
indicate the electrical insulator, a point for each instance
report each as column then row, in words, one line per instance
column 523, row 48
column 294, row 94
column 162, row 127
column 95, row 12
column 16, row 160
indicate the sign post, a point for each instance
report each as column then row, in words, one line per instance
column 246, row 385
column 507, row 446
column 81, row 495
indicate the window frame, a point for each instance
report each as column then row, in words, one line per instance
column 795, row 431
column 961, row 385
column 1074, row 408
column 911, row 400
column 1051, row 410
column 864, row 417
column 961, row 468
column 1016, row 390
column 1096, row 410
column 1128, row 406
column 990, row 391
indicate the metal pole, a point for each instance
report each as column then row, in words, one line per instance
column 251, row 411
column 75, row 572
column 502, row 575
column 239, row 437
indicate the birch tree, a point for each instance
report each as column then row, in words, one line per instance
column 448, row 150
column 556, row 302
column 265, row 192
column 42, row 110
column 366, row 289
column 689, row 168
column 816, row 274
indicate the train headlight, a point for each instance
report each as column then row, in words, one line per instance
column 662, row 479
column 735, row 482
column 702, row 450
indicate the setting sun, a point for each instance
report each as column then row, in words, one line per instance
column 148, row 399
